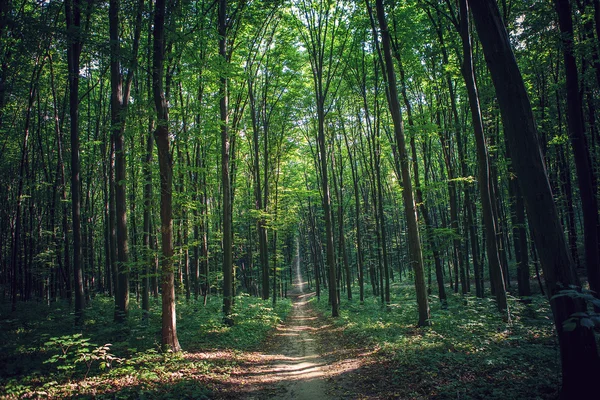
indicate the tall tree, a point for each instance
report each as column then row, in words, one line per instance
column 225, row 168
column 73, row 10
column 161, row 134
column 583, row 165
column 483, row 164
column 579, row 354
column 414, row 242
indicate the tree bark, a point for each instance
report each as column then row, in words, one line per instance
column 579, row 354
column 225, row 171
column 583, row 165
column 416, row 257
column 73, row 16
column 165, row 162
column 117, row 128
column 485, row 186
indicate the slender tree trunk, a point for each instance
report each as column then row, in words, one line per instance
column 519, row 230
column 147, row 238
column 416, row 257
column 585, row 173
column 225, row 171
column 165, row 162
column 15, row 248
column 258, row 193
column 73, row 15
column 483, row 163
column 359, row 244
column 118, row 121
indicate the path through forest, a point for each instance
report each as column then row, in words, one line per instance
column 302, row 359
column 291, row 365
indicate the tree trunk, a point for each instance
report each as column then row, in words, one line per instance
column 485, row 186
column 359, row 244
column 147, row 238
column 117, row 121
column 225, row 171
column 585, row 174
column 73, row 15
column 579, row 354
column 416, row 257
column 161, row 134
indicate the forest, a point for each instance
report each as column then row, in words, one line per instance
column 295, row 199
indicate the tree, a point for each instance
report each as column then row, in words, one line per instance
column 73, row 10
column 161, row 134
column 225, row 168
column 410, row 209
column 119, row 105
column 485, row 185
column 585, row 173
column 579, row 354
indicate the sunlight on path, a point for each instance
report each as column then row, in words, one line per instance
column 302, row 359
column 301, row 369
column 293, row 368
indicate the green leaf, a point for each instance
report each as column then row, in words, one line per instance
column 569, row 326
column 587, row 322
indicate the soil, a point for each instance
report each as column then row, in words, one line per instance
column 304, row 358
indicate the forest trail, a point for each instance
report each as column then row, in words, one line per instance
column 292, row 365
column 303, row 358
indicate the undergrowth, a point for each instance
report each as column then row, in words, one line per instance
column 43, row 354
column 468, row 352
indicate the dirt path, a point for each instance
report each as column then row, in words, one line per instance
column 291, row 366
column 303, row 358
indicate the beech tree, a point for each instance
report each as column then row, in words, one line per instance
column 410, row 210
column 579, row 355
column 161, row 134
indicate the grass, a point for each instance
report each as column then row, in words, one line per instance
column 469, row 352
column 42, row 353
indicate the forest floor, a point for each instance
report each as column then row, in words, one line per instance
column 303, row 359
column 292, row 350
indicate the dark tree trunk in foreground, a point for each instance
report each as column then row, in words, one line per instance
column 169, row 327
column 579, row 354
column 416, row 257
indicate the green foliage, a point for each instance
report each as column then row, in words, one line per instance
column 468, row 351
column 202, row 328
column 42, row 354
column 586, row 319
column 75, row 349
